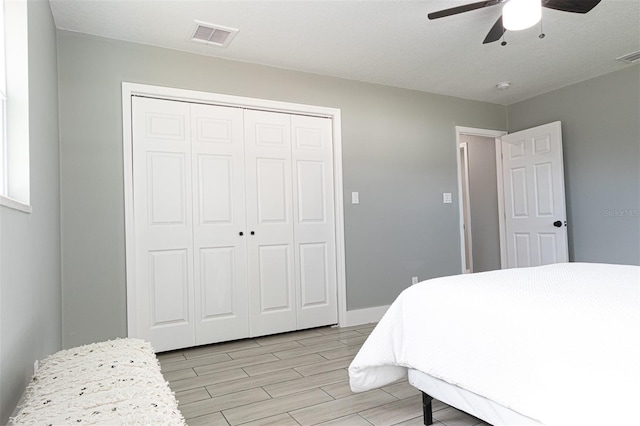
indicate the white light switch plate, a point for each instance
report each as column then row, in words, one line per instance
column 446, row 197
column 355, row 198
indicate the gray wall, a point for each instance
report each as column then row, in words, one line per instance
column 398, row 151
column 483, row 197
column 30, row 302
column 601, row 143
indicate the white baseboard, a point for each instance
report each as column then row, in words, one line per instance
column 365, row 316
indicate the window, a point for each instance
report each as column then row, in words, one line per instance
column 14, row 106
column 3, row 100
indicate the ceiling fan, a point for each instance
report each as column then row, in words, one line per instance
column 498, row 29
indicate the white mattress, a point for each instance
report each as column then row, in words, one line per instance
column 469, row 402
column 546, row 342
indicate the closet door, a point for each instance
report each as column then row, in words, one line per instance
column 269, row 222
column 219, row 234
column 314, row 229
column 163, row 223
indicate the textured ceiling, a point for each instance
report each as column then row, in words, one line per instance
column 385, row 42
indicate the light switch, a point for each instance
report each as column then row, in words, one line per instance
column 355, row 198
column 446, row 197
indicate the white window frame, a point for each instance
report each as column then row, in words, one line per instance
column 3, row 101
column 15, row 186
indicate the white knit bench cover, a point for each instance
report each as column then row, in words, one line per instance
column 109, row 383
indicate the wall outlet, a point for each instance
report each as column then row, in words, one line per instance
column 414, row 280
column 36, row 365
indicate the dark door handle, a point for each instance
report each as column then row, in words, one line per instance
column 253, row 233
column 557, row 224
column 241, row 233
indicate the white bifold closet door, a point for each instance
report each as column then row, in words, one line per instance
column 291, row 243
column 220, row 257
column 234, row 223
column 314, row 221
column 163, row 223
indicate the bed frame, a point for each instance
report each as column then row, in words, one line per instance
column 427, row 412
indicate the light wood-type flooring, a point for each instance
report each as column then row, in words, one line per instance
column 297, row 378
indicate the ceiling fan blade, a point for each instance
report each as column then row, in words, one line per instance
column 575, row 6
column 495, row 33
column 463, row 8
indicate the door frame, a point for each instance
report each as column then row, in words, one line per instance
column 496, row 135
column 465, row 209
column 168, row 93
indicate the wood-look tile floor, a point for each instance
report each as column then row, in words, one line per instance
column 297, row 378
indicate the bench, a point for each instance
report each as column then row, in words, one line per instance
column 114, row 382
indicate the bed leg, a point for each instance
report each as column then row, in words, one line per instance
column 426, row 409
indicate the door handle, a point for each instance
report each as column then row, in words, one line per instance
column 241, row 233
column 253, row 233
column 557, row 224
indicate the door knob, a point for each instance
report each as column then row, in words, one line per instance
column 253, row 233
column 557, row 224
column 241, row 233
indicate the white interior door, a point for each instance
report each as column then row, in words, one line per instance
column 314, row 230
column 163, row 223
column 535, row 215
column 270, row 222
column 219, row 234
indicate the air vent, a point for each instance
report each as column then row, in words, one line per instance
column 213, row 34
column 631, row 58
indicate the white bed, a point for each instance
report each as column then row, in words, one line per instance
column 554, row 345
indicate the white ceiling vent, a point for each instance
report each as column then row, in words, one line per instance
column 213, row 34
column 631, row 58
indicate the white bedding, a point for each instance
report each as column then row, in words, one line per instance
column 557, row 343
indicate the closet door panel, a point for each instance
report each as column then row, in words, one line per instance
column 314, row 224
column 269, row 222
column 163, row 225
column 221, row 308
column 169, row 287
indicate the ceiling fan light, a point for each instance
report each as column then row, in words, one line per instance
column 521, row 14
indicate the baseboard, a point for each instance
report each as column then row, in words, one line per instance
column 16, row 409
column 365, row 316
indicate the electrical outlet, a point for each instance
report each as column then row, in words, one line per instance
column 414, row 280
column 36, row 365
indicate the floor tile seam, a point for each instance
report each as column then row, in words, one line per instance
column 303, row 354
column 323, row 342
column 419, row 404
column 205, row 375
column 326, row 402
column 202, row 415
column 223, row 351
column 186, row 358
column 192, row 359
column 413, row 418
column 306, row 364
column 316, row 373
column 311, row 404
column 226, row 368
column 298, row 378
column 225, row 418
column 373, row 424
column 234, row 407
column 211, row 373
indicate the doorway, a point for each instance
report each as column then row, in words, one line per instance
column 480, row 199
